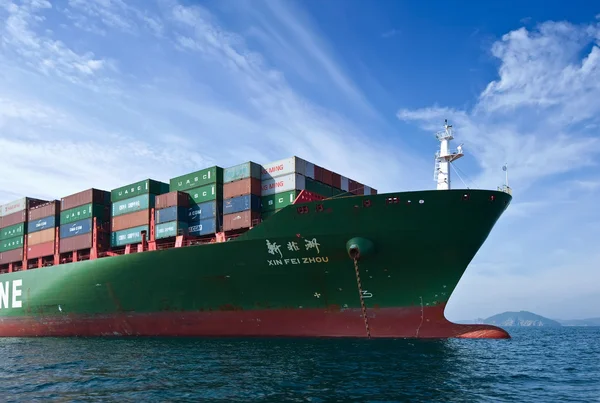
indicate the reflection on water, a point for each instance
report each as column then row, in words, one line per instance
column 536, row 365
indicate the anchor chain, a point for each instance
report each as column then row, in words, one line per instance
column 362, row 301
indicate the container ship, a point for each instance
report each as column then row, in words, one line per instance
column 284, row 249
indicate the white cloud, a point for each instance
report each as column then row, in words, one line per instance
column 221, row 103
column 115, row 14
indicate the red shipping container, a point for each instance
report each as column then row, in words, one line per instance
column 327, row 177
column 131, row 220
column 11, row 256
column 36, row 238
column 336, row 180
column 318, row 173
column 174, row 198
column 40, row 250
column 360, row 189
column 44, row 210
column 243, row 219
column 373, row 191
column 95, row 196
column 242, row 187
column 77, row 242
column 14, row 218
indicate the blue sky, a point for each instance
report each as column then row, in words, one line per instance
column 105, row 92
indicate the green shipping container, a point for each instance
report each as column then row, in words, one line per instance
column 13, row 231
column 278, row 200
column 82, row 212
column 197, row 179
column 206, row 193
column 242, row 171
column 148, row 186
column 337, row 191
column 128, row 236
column 268, row 214
column 318, row 188
column 172, row 228
column 137, row 203
column 11, row 243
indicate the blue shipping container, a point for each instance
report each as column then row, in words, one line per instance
column 204, row 227
column 202, row 211
column 241, row 203
column 76, row 228
column 41, row 224
column 175, row 213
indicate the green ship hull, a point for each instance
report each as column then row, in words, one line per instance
column 361, row 266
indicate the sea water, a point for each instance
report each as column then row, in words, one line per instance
column 536, row 365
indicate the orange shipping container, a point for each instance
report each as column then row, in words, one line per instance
column 336, row 180
column 14, row 218
column 360, row 189
column 242, row 187
column 77, row 242
column 95, row 196
column 40, row 250
column 243, row 219
column 43, row 236
column 131, row 220
column 318, row 173
column 327, row 177
column 11, row 256
column 174, row 198
column 44, row 210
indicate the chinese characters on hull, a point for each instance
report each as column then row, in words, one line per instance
column 273, row 248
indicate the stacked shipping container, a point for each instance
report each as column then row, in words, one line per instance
column 77, row 213
column 241, row 196
column 199, row 203
column 131, row 209
column 283, row 180
column 13, row 228
column 42, row 221
column 171, row 217
column 205, row 188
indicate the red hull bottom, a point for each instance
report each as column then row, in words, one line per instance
column 410, row 322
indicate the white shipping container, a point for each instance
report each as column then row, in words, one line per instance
column 283, row 183
column 345, row 184
column 367, row 191
column 13, row 207
column 283, row 167
column 310, row 170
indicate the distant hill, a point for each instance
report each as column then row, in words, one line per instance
column 525, row 318
column 522, row 318
column 579, row 322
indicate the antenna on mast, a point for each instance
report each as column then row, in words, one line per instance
column 444, row 157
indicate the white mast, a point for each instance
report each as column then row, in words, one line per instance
column 444, row 157
column 505, row 188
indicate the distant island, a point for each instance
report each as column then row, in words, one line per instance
column 580, row 322
column 529, row 319
column 522, row 318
